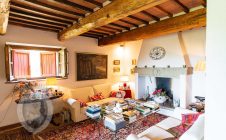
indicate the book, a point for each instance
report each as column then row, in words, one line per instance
column 143, row 109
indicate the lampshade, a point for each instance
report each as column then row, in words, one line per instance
column 124, row 78
column 200, row 65
column 51, row 81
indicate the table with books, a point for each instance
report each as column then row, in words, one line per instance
column 131, row 111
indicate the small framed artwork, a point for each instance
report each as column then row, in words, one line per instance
column 116, row 62
column 134, row 62
column 132, row 71
column 116, row 69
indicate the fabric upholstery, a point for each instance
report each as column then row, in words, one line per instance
column 103, row 101
column 82, row 93
column 196, row 131
column 155, row 133
column 105, row 89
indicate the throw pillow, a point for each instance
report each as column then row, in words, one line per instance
column 118, row 94
column 96, row 97
column 82, row 103
column 190, row 118
column 177, row 131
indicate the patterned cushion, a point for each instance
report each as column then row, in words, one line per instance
column 82, row 103
column 118, row 94
column 96, row 97
column 190, row 118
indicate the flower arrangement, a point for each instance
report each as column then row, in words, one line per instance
column 159, row 92
column 25, row 87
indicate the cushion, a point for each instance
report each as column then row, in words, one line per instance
column 103, row 101
column 105, row 89
column 96, row 97
column 118, row 94
column 189, row 118
column 82, row 103
column 82, row 93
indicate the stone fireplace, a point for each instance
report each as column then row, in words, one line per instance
column 173, row 80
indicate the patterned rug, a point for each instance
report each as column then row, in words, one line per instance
column 89, row 130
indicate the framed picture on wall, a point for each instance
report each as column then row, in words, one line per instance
column 91, row 66
column 116, row 62
column 116, row 69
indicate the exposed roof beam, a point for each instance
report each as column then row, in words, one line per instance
column 151, row 16
column 36, row 19
column 114, row 11
column 203, row 2
column 12, row 14
column 99, row 36
column 111, row 28
column 55, row 8
column 88, row 35
column 99, row 4
column 188, row 21
column 75, row 5
column 4, row 16
column 29, row 25
column 165, row 11
column 120, row 26
column 185, row 9
column 139, row 19
column 12, row 18
column 39, row 15
column 31, row 11
column 104, row 30
column 98, row 33
column 128, row 22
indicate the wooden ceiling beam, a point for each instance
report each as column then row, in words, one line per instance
column 128, row 22
column 4, row 16
column 151, row 16
column 12, row 18
column 40, row 3
column 74, row 5
column 13, row 4
column 120, row 26
column 103, row 30
column 185, row 9
column 138, row 19
column 112, row 28
column 38, row 14
column 99, row 33
column 91, row 36
column 99, row 4
column 37, row 19
column 188, row 21
column 32, row 26
column 165, row 11
column 114, row 11
column 203, row 3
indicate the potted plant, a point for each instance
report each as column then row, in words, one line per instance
column 159, row 96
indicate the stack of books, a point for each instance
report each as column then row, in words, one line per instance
column 152, row 105
column 143, row 110
column 130, row 116
column 114, row 121
column 93, row 112
column 123, row 105
column 108, row 109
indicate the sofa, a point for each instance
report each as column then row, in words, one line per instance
column 78, row 112
column 159, row 131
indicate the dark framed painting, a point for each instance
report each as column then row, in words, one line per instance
column 91, row 66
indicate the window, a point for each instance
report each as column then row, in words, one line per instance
column 25, row 61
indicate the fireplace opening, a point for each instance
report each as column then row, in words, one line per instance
column 165, row 84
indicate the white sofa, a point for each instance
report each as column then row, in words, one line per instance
column 78, row 112
column 158, row 131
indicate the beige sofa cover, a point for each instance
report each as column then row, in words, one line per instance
column 77, row 112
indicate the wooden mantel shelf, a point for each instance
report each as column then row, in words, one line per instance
column 173, row 72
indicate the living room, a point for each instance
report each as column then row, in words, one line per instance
column 148, row 53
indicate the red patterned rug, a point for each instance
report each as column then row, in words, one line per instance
column 89, row 130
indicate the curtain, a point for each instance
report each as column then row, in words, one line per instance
column 48, row 64
column 21, row 64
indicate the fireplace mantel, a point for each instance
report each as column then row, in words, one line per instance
column 171, row 72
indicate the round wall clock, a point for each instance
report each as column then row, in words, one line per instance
column 157, row 53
